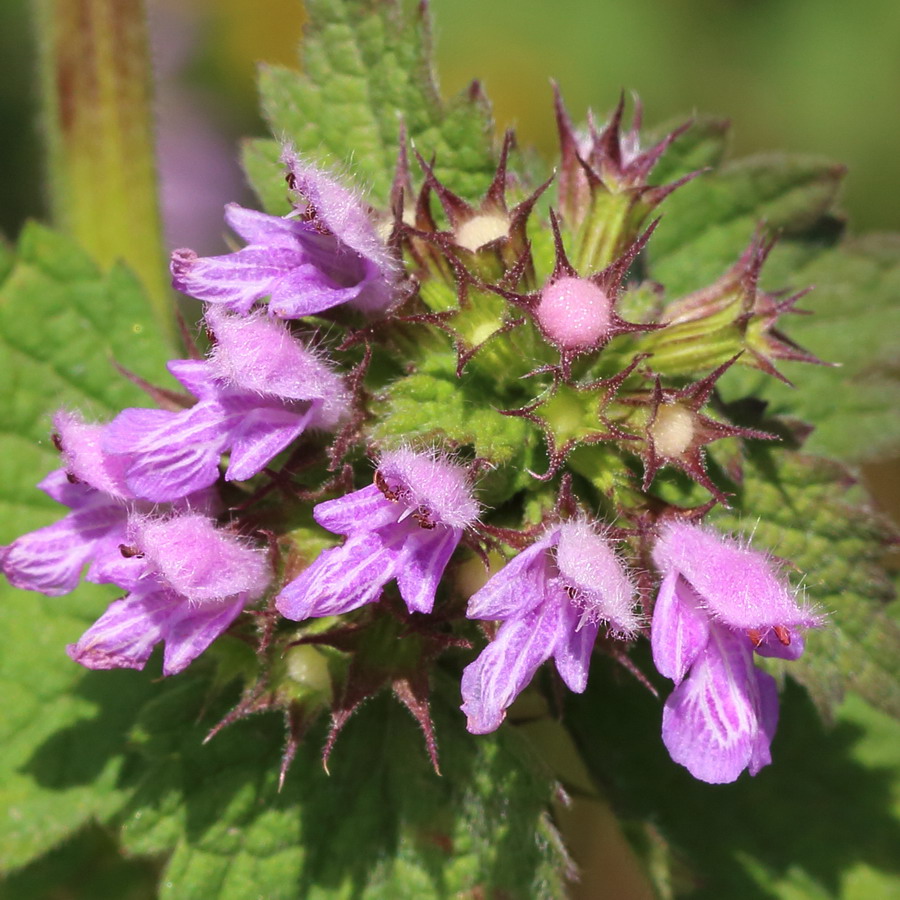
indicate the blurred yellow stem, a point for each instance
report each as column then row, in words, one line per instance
column 97, row 91
column 607, row 866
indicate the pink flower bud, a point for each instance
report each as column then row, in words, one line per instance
column 575, row 313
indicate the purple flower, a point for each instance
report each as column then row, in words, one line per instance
column 51, row 559
column 258, row 391
column 551, row 599
column 192, row 583
column 92, row 484
column 325, row 254
column 405, row 526
column 718, row 602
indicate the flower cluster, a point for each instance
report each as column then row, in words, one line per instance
column 379, row 381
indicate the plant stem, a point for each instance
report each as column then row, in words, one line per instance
column 97, row 90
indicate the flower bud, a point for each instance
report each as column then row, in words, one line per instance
column 574, row 313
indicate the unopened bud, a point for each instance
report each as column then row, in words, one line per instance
column 481, row 230
column 672, row 430
column 574, row 313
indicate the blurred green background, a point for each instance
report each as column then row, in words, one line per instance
column 813, row 76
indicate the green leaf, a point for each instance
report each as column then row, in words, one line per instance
column 62, row 324
column 802, row 509
column 709, row 222
column 7, row 258
column 260, row 159
column 856, row 324
column 449, row 411
column 702, row 146
column 425, row 407
column 367, row 67
column 89, row 866
column 62, row 730
column 383, row 825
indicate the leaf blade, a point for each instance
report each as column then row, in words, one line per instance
column 367, row 69
column 62, row 322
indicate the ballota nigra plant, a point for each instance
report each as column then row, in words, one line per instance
column 443, row 421
column 152, row 512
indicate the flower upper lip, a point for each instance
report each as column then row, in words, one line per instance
column 305, row 265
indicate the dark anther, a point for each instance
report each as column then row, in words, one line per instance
column 783, row 635
column 423, row 516
column 382, row 486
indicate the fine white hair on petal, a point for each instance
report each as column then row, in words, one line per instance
column 433, row 482
column 199, row 561
column 739, row 586
column 84, row 457
column 342, row 210
column 602, row 585
column 259, row 354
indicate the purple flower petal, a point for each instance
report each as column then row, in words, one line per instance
column 304, row 266
column 712, row 720
column 196, row 580
column 304, row 291
column 518, row 587
column 718, row 602
column 405, row 526
column 259, row 390
column 767, row 692
column 737, row 585
column 261, row 435
column 340, row 211
column 58, row 486
column 51, row 559
column 169, row 454
column 199, row 561
column 772, row 645
column 680, row 628
column 235, row 280
column 424, row 560
column 256, row 227
column 553, row 605
column 344, row 578
column 191, row 629
column 431, row 485
column 508, row 663
column 596, row 576
column 87, row 459
column 258, row 355
column 363, row 510
column 125, row 635
column 573, row 652
column 195, row 376
column 110, row 566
